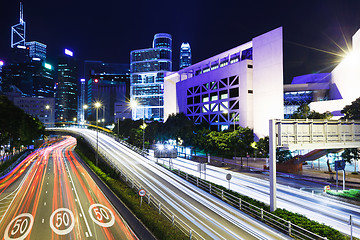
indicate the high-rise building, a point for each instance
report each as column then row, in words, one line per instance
column 67, row 87
column 109, row 89
column 33, row 78
column 185, row 55
column 36, row 50
column 147, row 69
column 18, row 31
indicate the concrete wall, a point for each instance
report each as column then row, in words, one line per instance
column 267, row 80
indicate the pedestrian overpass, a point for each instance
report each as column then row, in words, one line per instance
column 296, row 134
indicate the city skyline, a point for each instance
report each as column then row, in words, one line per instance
column 321, row 25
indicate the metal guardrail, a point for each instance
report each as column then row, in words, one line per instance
column 270, row 219
column 149, row 198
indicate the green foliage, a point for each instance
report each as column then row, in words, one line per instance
column 353, row 194
column 16, row 126
column 350, row 154
column 303, row 112
column 352, row 111
column 156, row 223
column 262, row 147
column 283, row 155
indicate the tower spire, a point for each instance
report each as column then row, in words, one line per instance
column 18, row 30
column 21, row 13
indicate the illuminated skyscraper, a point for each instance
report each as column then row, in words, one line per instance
column 185, row 55
column 147, row 69
column 36, row 50
column 67, row 87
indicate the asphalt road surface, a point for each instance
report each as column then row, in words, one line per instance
column 50, row 195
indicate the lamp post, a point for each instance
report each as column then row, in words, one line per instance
column 85, row 107
column 47, row 107
column 133, row 105
column 97, row 106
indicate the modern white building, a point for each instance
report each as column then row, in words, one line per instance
column 328, row 91
column 242, row 86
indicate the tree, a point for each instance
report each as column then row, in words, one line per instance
column 350, row 154
column 303, row 112
column 16, row 127
column 262, row 147
column 352, row 111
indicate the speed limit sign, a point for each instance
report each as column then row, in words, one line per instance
column 142, row 192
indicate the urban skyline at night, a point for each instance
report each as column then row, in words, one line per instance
column 113, row 33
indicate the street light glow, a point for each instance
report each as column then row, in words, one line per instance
column 160, row 147
column 47, row 107
column 133, row 104
column 97, row 104
column 85, row 106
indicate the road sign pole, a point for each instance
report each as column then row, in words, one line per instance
column 337, row 182
column 272, row 167
column 344, row 180
column 140, row 201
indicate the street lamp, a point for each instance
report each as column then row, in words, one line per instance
column 85, row 107
column 47, row 107
column 97, row 106
column 133, row 105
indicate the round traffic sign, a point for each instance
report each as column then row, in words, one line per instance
column 142, row 192
column 228, row 176
column 20, row 227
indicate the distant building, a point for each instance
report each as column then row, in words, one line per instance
column 242, row 86
column 147, row 70
column 108, row 83
column 109, row 89
column 32, row 78
column 42, row 108
column 36, row 50
column 19, row 54
column 67, row 87
column 185, row 55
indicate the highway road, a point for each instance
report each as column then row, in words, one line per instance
column 50, row 195
column 317, row 207
column 205, row 214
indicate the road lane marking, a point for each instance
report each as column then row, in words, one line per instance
column 77, row 197
column 86, row 234
column 45, row 191
column 44, row 203
column 42, row 220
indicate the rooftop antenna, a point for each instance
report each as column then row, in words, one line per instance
column 18, row 31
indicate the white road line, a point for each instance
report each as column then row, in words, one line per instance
column 42, row 221
column 77, row 197
column 86, row 234
column 44, row 203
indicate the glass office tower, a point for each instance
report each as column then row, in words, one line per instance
column 147, row 69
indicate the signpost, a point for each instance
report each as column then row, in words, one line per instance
column 340, row 165
column 228, row 177
column 202, row 168
column 142, row 194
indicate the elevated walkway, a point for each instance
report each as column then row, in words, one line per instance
column 316, row 154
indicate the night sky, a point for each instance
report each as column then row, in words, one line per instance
column 108, row 30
